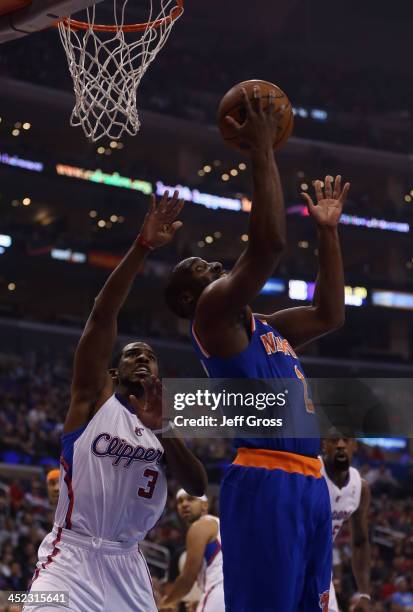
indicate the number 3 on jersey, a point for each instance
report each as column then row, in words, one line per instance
column 309, row 406
column 152, row 476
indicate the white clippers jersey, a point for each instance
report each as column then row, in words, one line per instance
column 211, row 572
column 112, row 482
column 343, row 501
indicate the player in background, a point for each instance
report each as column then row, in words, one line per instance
column 191, row 600
column 203, row 556
column 350, row 499
column 52, row 480
column 112, row 481
column 274, row 507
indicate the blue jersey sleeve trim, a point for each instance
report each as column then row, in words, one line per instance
column 211, row 551
column 68, row 441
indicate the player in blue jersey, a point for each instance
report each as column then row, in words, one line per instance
column 275, row 511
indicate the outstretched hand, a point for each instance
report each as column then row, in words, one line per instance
column 260, row 127
column 149, row 411
column 363, row 605
column 160, row 223
column 327, row 211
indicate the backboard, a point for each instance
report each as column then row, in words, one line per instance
column 21, row 17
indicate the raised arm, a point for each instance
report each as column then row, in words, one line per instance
column 198, row 536
column 229, row 294
column 91, row 384
column 327, row 312
column 361, row 549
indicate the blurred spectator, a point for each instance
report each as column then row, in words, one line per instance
column 53, row 486
column 39, row 386
column 402, row 599
column 195, row 90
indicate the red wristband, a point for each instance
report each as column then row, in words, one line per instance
column 144, row 243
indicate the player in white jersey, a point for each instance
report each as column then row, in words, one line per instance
column 350, row 499
column 203, row 556
column 112, row 478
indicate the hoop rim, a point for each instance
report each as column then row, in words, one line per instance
column 75, row 25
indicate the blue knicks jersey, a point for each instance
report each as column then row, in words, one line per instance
column 269, row 356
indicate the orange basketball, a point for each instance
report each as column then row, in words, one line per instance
column 232, row 104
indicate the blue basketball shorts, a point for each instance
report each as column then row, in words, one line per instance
column 276, row 533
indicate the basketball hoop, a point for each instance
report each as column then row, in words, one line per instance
column 107, row 63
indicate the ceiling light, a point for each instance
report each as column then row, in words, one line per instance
column 15, row 132
column 209, row 239
column 225, row 177
column 216, row 163
column 101, row 150
column 303, row 244
column 407, row 198
column 201, row 173
column 113, row 144
column 26, row 201
column 101, row 223
column 234, row 172
column 11, row 286
column 114, row 218
column 244, row 237
column 217, row 235
column 207, row 168
column 17, row 125
column 26, row 126
column 304, row 186
column 93, row 214
column 242, row 166
column 201, row 244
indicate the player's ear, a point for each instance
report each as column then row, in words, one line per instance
column 113, row 373
column 323, row 446
column 187, row 302
column 186, row 297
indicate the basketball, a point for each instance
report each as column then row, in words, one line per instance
column 145, row 219
column 232, row 105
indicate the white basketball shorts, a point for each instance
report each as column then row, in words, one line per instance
column 332, row 600
column 213, row 599
column 100, row 576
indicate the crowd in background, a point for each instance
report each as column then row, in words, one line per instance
column 188, row 81
column 33, row 401
column 26, row 517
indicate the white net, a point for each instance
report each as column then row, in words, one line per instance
column 107, row 67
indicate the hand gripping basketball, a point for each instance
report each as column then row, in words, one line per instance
column 260, row 127
column 251, row 106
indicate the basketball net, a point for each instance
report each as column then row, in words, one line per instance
column 107, row 64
